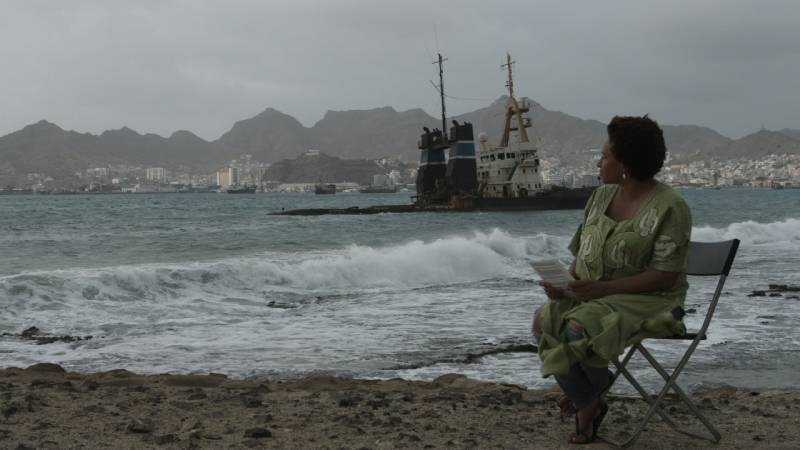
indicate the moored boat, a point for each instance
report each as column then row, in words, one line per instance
column 503, row 176
column 241, row 190
column 321, row 189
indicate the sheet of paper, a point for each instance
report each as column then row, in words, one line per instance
column 553, row 272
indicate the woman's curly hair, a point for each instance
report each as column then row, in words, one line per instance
column 637, row 143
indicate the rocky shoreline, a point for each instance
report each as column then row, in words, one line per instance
column 45, row 407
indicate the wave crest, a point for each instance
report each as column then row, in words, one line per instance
column 751, row 232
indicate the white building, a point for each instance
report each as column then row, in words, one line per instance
column 227, row 177
column 99, row 172
column 157, row 174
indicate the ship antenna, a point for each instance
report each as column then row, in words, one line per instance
column 510, row 82
column 513, row 110
column 441, row 92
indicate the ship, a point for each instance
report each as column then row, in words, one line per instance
column 241, row 190
column 506, row 176
column 321, row 189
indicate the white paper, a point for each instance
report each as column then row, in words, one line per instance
column 553, row 272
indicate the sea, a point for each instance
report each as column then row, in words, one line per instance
column 200, row 283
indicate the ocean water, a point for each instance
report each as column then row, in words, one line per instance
column 197, row 283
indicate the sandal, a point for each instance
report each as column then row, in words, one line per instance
column 586, row 435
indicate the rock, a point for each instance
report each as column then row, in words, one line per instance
column 193, row 380
column 262, row 418
column 10, row 409
column 90, row 292
column 349, row 399
column 42, row 425
column 89, row 385
column 46, row 367
column 140, row 426
column 41, row 338
column 197, row 394
column 165, row 439
column 119, row 373
column 95, row 409
column 448, row 378
column 257, row 433
column 191, row 425
column 784, row 288
column 250, row 401
column 29, row 333
column 379, row 403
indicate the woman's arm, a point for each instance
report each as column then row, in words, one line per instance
column 647, row 281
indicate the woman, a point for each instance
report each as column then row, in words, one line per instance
column 630, row 270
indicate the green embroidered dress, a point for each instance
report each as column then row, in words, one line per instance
column 656, row 238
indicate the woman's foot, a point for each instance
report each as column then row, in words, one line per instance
column 566, row 406
column 587, row 422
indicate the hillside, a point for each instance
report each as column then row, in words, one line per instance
column 311, row 168
column 273, row 136
column 755, row 146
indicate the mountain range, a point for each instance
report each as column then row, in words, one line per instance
column 272, row 136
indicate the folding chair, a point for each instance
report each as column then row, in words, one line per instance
column 705, row 259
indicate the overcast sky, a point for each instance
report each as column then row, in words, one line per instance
column 164, row 65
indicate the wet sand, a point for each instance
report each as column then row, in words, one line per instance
column 43, row 407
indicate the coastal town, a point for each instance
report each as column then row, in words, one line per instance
column 771, row 171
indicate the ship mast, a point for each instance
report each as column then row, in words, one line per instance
column 513, row 110
column 440, row 88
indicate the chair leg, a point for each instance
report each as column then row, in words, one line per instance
column 655, row 404
column 654, row 407
column 671, row 383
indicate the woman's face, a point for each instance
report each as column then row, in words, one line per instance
column 610, row 169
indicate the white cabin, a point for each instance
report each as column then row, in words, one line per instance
column 508, row 172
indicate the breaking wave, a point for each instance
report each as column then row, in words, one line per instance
column 752, row 233
column 455, row 259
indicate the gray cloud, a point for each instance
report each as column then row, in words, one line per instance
column 160, row 66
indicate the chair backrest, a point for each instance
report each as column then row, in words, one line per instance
column 711, row 258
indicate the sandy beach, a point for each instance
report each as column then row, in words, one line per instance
column 44, row 407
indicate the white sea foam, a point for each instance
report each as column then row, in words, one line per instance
column 455, row 259
column 753, row 233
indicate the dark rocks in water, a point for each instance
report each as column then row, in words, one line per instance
column 775, row 290
column 784, row 288
column 90, row 292
column 274, row 304
column 514, row 348
column 41, row 338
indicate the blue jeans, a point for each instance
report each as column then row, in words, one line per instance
column 583, row 384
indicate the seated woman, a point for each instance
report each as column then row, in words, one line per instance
column 630, row 270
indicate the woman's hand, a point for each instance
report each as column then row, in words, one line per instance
column 551, row 291
column 589, row 289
